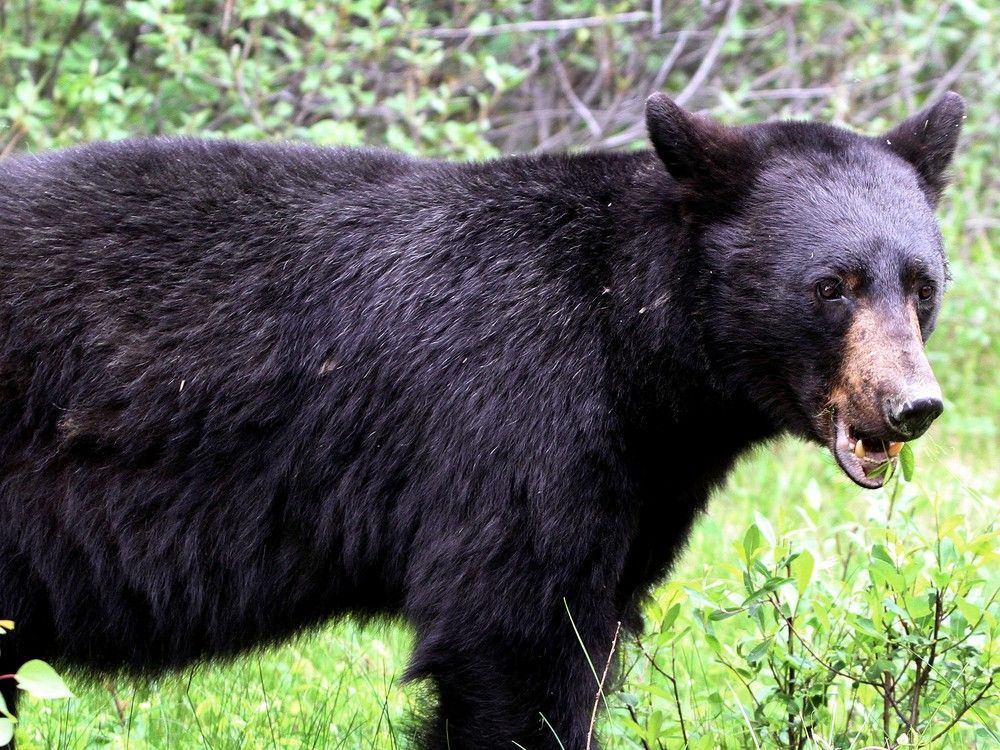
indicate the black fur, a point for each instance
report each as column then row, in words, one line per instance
column 245, row 388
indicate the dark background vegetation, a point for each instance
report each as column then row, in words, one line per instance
column 805, row 614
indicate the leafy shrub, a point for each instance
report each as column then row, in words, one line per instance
column 37, row 679
column 894, row 645
column 467, row 79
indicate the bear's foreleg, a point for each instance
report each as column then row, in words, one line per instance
column 517, row 681
column 494, row 702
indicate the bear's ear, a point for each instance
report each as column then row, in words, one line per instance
column 927, row 141
column 693, row 148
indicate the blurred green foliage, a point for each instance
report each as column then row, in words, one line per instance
column 467, row 79
column 857, row 619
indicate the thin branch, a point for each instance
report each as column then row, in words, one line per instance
column 972, row 628
column 567, row 87
column 670, row 60
column 811, row 92
column 666, row 66
column 708, row 62
column 642, row 740
column 922, row 674
column 227, row 17
column 600, row 686
column 961, row 712
column 886, row 702
column 119, row 704
column 677, row 696
column 17, row 132
column 791, row 629
column 694, row 84
column 557, row 24
column 953, row 73
column 47, row 81
column 673, row 682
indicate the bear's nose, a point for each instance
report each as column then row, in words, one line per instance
column 912, row 417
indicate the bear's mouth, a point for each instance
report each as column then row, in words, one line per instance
column 868, row 461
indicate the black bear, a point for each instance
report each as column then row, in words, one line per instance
column 245, row 388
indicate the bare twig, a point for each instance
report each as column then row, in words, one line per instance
column 962, row 711
column 119, row 703
column 635, row 718
column 17, row 132
column 600, row 685
column 251, row 106
column 886, row 702
column 677, row 697
column 557, row 24
column 948, row 79
column 670, row 60
column 227, row 17
column 47, row 81
column 708, row 62
column 666, row 66
column 673, row 683
column 696, row 81
column 826, row 665
column 813, row 92
column 973, row 627
column 922, row 672
column 567, row 88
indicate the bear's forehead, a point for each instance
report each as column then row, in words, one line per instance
column 854, row 198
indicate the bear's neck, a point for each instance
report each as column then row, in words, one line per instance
column 659, row 284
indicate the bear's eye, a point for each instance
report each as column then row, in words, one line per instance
column 925, row 292
column 830, row 289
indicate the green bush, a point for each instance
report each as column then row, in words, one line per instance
column 35, row 678
column 465, row 79
column 894, row 644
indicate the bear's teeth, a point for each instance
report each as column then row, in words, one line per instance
column 894, row 449
column 859, row 449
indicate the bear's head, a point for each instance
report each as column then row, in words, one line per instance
column 821, row 269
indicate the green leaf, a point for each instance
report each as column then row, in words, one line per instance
column 969, row 611
column 875, row 608
column 724, row 614
column 906, row 461
column 980, row 16
column 751, row 542
column 879, row 552
column 670, row 617
column 917, row 606
column 38, row 679
column 758, row 652
column 802, row 570
column 775, row 583
column 946, row 526
column 764, row 526
column 883, row 573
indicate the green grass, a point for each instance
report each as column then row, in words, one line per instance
column 340, row 687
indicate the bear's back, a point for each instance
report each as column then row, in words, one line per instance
column 214, row 355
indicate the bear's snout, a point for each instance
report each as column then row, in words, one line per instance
column 884, row 393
